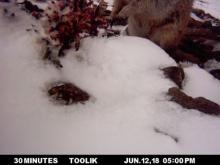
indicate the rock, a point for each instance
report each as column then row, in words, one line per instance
column 202, row 51
column 195, row 45
column 216, row 55
column 67, row 93
column 30, row 7
column 181, row 98
column 4, row 0
column 216, row 29
column 206, row 106
column 198, row 24
column 181, row 56
column 205, row 16
column 198, row 12
column 207, row 33
column 216, row 73
column 206, row 47
column 176, row 74
column 201, row 104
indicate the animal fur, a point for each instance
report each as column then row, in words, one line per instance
column 162, row 21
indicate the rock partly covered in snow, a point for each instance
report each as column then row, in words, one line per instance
column 67, row 93
column 216, row 73
column 176, row 74
column 200, row 103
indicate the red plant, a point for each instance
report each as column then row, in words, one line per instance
column 70, row 20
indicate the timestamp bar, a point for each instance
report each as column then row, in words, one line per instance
column 110, row 159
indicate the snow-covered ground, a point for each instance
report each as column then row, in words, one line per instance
column 129, row 101
column 210, row 6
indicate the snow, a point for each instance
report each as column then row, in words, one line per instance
column 212, row 65
column 199, row 83
column 210, row 6
column 128, row 98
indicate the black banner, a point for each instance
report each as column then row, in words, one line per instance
column 109, row 159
